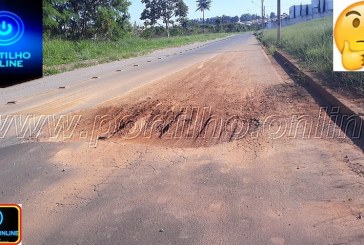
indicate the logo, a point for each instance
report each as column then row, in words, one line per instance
column 1, row 218
column 10, row 224
column 21, row 46
column 11, row 28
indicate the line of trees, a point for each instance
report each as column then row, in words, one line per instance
column 170, row 12
column 228, row 19
column 110, row 19
column 169, row 17
column 86, row 19
column 249, row 17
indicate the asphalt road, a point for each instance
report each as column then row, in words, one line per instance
column 258, row 190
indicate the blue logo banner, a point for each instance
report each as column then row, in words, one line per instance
column 21, row 51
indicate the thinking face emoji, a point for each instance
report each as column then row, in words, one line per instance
column 349, row 36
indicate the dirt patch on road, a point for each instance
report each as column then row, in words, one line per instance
column 221, row 100
column 200, row 106
column 161, row 121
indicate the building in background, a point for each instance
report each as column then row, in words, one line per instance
column 300, row 10
column 317, row 7
column 305, row 12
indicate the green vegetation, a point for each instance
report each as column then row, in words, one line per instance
column 97, row 19
column 165, row 10
column 312, row 43
column 63, row 55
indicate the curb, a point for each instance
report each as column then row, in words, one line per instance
column 331, row 98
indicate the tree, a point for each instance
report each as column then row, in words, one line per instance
column 272, row 15
column 112, row 22
column 150, row 14
column 226, row 19
column 50, row 14
column 203, row 5
column 246, row 17
column 56, row 17
column 108, row 25
column 181, row 11
column 86, row 19
column 165, row 10
column 86, row 13
column 255, row 17
column 184, row 23
column 235, row 19
column 249, row 17
column 218, row 23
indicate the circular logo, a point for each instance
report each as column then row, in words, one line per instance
column 1, row 218
column 11, row 28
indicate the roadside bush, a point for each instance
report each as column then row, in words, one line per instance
column 233, row 27
column 153, row 32
column 177, row 31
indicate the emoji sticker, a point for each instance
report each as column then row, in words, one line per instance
column 349, row 36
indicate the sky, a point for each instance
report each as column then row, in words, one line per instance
column 223, row 7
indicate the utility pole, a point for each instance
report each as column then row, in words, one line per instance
column 279, row 24
column 262, row 14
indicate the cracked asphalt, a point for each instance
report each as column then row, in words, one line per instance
column 253, row 190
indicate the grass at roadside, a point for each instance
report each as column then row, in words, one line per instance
column 63, row 55
column 312, row 43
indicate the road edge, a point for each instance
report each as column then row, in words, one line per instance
column 313, row 83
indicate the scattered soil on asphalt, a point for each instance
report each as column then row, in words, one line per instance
column 220, row 100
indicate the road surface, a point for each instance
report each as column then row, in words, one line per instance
column 214, row 145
